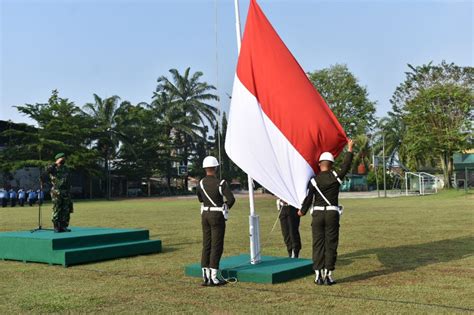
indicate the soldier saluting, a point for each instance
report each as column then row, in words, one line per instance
column 323, row 201
column 211, row 192
column 59, row 176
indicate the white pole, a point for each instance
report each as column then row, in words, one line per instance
column 254, row 224
column 419, row 183
column 219, row 128
column 237, row 24
column 376, row 176
column 384, row 171
column 406, row 184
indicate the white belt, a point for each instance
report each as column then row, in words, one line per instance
column 203, row 208
column 335, row 208
column 283, row 204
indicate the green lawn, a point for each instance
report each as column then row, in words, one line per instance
column 396, row 255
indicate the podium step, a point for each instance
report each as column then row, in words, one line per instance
column 81, row 245
column 82, row 255
column 270, row 270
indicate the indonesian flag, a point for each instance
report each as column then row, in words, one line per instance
column 278, row 123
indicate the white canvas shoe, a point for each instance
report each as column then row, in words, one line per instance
column 329, row 279
column 215, row 281
column 206, row 277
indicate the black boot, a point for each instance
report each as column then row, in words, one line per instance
column 64, row 228
column 57, row 227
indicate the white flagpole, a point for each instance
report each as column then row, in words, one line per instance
column 254, row 223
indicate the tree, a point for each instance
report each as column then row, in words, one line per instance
column 437, row 120
column 106, row 133
column 62, row 127
column 141, row 155
column 434, row 105
column 363, row 153
column 166, row 112
column 187, row 97
column 425, row 76
column 348, row 100
column 390, row 130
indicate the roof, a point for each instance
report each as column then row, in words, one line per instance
column 461, row 160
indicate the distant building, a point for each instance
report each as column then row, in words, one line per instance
column 464, row 169
column 354, row 182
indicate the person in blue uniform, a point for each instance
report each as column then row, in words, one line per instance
column 13, row 196
column 40, row 196
column 31, row 197
column 3, row 197
column 21, row 197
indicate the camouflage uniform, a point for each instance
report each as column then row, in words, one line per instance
column 60, row 195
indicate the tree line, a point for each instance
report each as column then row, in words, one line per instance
column 178, row 127
column 431, row 116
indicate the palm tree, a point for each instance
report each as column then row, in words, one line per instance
column 182, row 102
column 363, row 155
column 392, row 129
column 190, row 94
column 105, row 113
column 178, row 129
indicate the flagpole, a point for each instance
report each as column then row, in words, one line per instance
column 238, row 31
column 254, row 224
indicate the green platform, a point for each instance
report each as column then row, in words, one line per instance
column 269, row 270
column 81, row 245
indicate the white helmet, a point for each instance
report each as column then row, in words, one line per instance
column 326, row 156
column 210, row 161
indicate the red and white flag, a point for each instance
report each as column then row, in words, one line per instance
column 278, row 123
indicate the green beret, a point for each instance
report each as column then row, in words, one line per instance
column 59, row 155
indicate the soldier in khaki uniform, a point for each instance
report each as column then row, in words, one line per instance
column 59, row 176
column 323, row 203
column 211, row 193
column 290, row 227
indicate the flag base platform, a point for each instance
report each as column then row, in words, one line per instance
column 270, row 270
column 81, row 245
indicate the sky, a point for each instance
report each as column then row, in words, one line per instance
column 120, row 47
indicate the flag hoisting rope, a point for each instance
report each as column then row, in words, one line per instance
column 278, row 122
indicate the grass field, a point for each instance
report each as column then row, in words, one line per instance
column 396, row 255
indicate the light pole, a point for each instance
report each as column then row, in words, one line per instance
column 108, row 164
column 384, row 171
column 370, row 136
column 376, row 175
